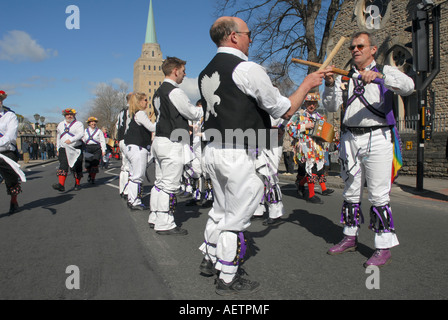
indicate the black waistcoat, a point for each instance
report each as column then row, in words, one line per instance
column 168, row 117
column 137, row 135
column 234, row 109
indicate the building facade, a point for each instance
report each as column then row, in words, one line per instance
column 148, row 75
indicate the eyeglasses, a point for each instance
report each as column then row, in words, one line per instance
column 249, row 33
column 359, row 46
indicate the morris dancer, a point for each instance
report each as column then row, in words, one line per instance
column 138, row 139
column 309, row 151
column 95, row 147
column 367, row 142
column 69, row 146
column 193, row 169
column 9, row 169
column 121, row 128
column 237, row 96
column 173, row 110
column 272, row 196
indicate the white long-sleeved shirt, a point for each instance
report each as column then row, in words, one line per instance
column 142, row 119
column 98, row 137
column 357, row 115
column 252, row 79
column 76, row 130
column 182, row 103
column 8, row 130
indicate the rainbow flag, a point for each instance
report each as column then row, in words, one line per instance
column 397, row 161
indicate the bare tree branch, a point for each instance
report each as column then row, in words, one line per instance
column 283, row 29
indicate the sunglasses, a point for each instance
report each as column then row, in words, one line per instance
column 359, row 46
column 249, row 33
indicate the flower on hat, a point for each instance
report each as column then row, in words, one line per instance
column 68, row 111
column 92, row 119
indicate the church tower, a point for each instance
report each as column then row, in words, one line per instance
column 148, row 75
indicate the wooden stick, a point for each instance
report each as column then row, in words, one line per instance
column 318, row 65
column 332, row 53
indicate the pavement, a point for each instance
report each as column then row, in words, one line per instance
column 436, row 189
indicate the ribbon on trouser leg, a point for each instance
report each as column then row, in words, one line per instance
column 162, row 201
column 61, row 172
column 135, row 193
column 351, row 214
column 208, row 190
column 14, row 190
column 381, row 219
column 241, row 252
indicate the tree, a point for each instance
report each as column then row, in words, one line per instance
column 107, row 103
column 285, row 29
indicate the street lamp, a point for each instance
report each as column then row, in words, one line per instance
column 36, row 125
column 42, row 126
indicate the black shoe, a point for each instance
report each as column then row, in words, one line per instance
column 139, row 207
column 327, row 192
column 271, row 222
column 77, row 187
column 59, row 187
column 173, row 232
column 207, row 268
column 238, row 285
column 253, row 218
column 151, row 225
column 315, row 199
column 13, row 208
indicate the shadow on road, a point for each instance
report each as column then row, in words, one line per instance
column 423, row 194
column 45, row 203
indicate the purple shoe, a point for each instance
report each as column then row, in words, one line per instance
column 380, row 258
column 348, row 244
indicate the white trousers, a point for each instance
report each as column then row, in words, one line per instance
column 368, row 158
column 169, row 165
column 238, row 190
column 124, row 173
column 138, row 162
column 276, row 210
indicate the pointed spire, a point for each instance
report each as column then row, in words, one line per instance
column 151, row 36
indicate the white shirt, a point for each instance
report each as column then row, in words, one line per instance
column 8, row 130
column 142, row 119
column 98, row 136
column 182, row 103
column 252, row 79
column 357, row 115
column 77, row 130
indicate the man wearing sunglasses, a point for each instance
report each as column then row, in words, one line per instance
column 237, row 95
column 368, row 133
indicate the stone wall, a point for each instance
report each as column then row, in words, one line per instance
column 435, row 162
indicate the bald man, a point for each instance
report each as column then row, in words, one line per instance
column 237, row 96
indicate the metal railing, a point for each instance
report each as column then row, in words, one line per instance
column 409, row 124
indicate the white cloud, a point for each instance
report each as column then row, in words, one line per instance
column 18, row 46
column 190, row 87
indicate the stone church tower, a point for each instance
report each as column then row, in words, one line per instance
column 148, row 75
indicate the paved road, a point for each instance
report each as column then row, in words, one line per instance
column 119, row 257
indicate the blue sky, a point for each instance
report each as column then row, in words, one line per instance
column 45, row 67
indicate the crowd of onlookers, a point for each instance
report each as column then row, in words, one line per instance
column 35, row 150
